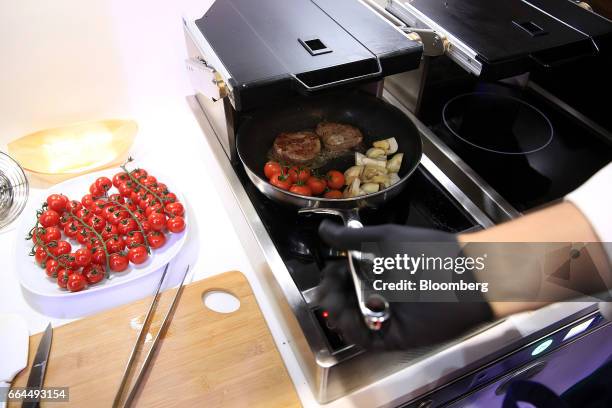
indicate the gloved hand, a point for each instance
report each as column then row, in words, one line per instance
column 414, row 322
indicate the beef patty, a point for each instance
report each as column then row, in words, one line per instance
column 297, row 147
column 338, row 136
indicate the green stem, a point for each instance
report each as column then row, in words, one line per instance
column 161, row 201
column 101, row 241
column 144, row 235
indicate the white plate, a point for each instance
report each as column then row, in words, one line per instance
column 43, row 292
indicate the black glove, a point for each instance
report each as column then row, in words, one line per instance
column 414, row 322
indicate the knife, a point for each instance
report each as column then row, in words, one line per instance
column 39, row 366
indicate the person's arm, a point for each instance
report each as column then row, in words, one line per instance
column 562, row 222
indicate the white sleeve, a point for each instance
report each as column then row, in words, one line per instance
column 594, row 200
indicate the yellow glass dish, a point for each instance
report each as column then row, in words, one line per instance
column 61, row 153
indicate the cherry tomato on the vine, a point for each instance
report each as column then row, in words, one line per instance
column 156, row 239
column 137, row 255
column 76, row 282
column 93, row 273
column 176, row 224
column 118, row 262
column 57, row 202
column 49, row 218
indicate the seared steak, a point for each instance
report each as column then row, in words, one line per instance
column 297, row 147
column 338, row 136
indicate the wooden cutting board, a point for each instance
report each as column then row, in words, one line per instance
column 205, row 358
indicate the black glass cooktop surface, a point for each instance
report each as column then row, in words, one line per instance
column 560, row 152
column 423, row 203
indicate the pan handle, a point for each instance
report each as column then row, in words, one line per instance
column 375, row 309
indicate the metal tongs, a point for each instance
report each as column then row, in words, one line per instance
column 375, row 309
column 141, row 335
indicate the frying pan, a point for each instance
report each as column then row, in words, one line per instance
column 375, row 118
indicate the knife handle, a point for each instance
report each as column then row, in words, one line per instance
column 3, row 401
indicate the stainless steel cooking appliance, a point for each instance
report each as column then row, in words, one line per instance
column 440, row 63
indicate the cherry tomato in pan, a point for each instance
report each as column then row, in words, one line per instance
column 333, row 194
column 118, row 262
column 175, row 208
column 115, row 244
column 52, row 234
column 137, row 255
column 175, row 224
column 317, row 185
column 133, row 238
column 281, row 182
column 51, row 268
column 335, row 179
column 93, row 273
column 272, row 169
column 49, row 218
column 73, row 206
column 299, row 174
column 103, row 183
column 82, row 257
column 157, row 221
column 57, row 202
column 126, row 225
column 156, row 239
column 301, row 189
column 76, row 282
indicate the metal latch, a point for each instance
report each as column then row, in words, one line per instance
column 205, row 79
column 434, row 44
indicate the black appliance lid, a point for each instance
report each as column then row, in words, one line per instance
column 512, row 36
column 271, row 48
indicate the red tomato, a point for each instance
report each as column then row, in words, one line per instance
column 126, row 225
column 115, row 244
column 137, row 255
column 109, row 210
column 299, row 174
column 156, row 239
column 301, row 189
column 38, row 235
column 57, row 202
column 93, row 273
column 103, row 183
column 281, row 181
column 83, row 214
column 68, row 261
column 140, row 215
column 125, row 189
column 317, row 185
column 169, row 197
column 61, row 248
column 97, row 223
column 146, row 226
column 333, row 194
column 155, row 207
column 96, row 191
column 98, row 256
column 41, row 255
column 62, row 276
column 157, row 221
column 335, row 179
column 93, row 242
column 73, row 206
column 64, row 220
column 98, row 206
column 139, row 174
column 272, row 169
column 76, row 282
column 175, row 208
column 149, row 181
column 117, row 197
column 52, row 267
column 120, row 178
column 116, row 217
column 118, row 262
column 71, row 229
column 52, row 234
column 49, row 218
column 133, row 238
column 87, row 201
column 109, row 231
column 176, row 224
column 82, row 235
column 82, row 257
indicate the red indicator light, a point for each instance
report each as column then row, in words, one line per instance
column 325, row 314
